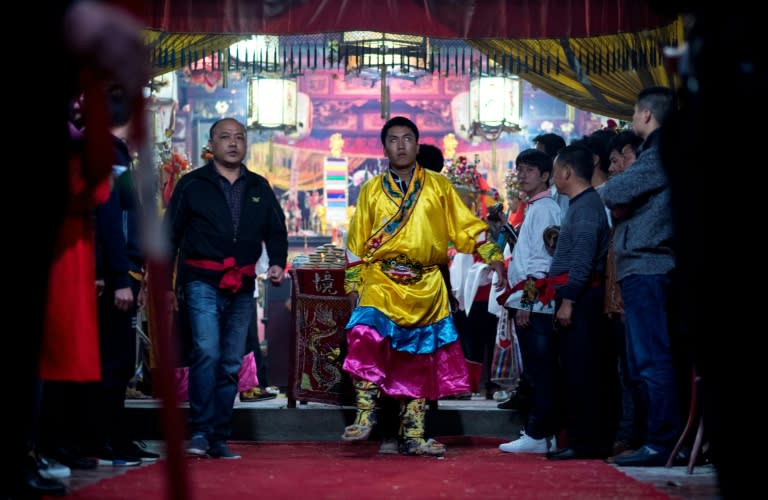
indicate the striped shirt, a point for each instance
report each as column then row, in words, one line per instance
column 582, row 245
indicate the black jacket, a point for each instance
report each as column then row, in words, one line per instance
column 201, row 225
column 117, row 243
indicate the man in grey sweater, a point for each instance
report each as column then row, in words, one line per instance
column 639, row 199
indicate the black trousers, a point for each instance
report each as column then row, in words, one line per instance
column 590, row 376
column 478, row 337
column 117, row 347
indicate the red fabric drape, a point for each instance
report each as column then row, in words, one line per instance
column 436, row 18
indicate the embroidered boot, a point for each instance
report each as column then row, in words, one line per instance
column 412, row 413
column 366, row 395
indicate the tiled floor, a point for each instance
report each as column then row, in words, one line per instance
column 675, row 481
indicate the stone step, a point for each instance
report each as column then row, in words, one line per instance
column 273, row 421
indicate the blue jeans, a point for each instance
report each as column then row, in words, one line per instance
column 218, row 321
column 649, row 356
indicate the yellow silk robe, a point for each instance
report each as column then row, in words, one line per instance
column 435, row 215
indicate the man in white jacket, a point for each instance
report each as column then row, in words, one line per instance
column 532, row 313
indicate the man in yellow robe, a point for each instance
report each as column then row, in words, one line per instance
column 401, row 337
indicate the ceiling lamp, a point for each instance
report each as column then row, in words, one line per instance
column 272, row 104
column 370, row 53
column 494, row 106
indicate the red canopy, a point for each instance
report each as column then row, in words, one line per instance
column 466, row 19
column 593, row 54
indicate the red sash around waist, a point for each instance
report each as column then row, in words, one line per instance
column 545, row 287
column 232, row 279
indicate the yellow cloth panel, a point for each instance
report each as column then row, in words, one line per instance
column 159, row 42
column 438, row 217
column 609, row 91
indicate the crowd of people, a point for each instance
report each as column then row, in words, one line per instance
column 597, row 382
column 596, row 329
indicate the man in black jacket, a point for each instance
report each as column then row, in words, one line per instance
column 120, row 265
column 219, row 215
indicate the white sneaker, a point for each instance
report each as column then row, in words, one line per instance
column 51, row 469
column 500, row 396
column 526, row 444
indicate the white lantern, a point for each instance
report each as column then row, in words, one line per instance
column 272, row 104
column 494, row 106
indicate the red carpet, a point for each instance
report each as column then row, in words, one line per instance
column 473, row 468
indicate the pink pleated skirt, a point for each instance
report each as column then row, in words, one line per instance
column 399, row 374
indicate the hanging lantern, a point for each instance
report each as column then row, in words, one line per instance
column 372, row 54
column 272, row 104
column 494, row 106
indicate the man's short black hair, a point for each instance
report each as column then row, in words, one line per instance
column 430, row 157
column 552, row 143
column 214, row 124
column 658, row 100
column 579, row 158
column 536, row 158
column 625, row 138
column 398, row 121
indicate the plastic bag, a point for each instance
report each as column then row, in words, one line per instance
column 507, row 364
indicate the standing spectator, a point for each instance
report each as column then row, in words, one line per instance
column 84, row 35
column 120, row 259
column 551, row 144
column 631, row 429
column 578, row 274
column 532, row 316
column 640, row 201
column 402, row 339
column 622, row 151
column 219, row 215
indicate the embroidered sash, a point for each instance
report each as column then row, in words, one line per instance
column 392, row 227
column 403, row 270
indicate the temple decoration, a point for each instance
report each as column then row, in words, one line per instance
column 463, row 174
column 464, row 177
column 335, row 187
column 173, row 165
column 513, row 187
column 449, row 146
column 336, row 143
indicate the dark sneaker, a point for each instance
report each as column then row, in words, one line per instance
column 643, row 457
column 197, row 446
column 256, row 394
column 139, row 449
column 220, row 450
column 115, row 458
